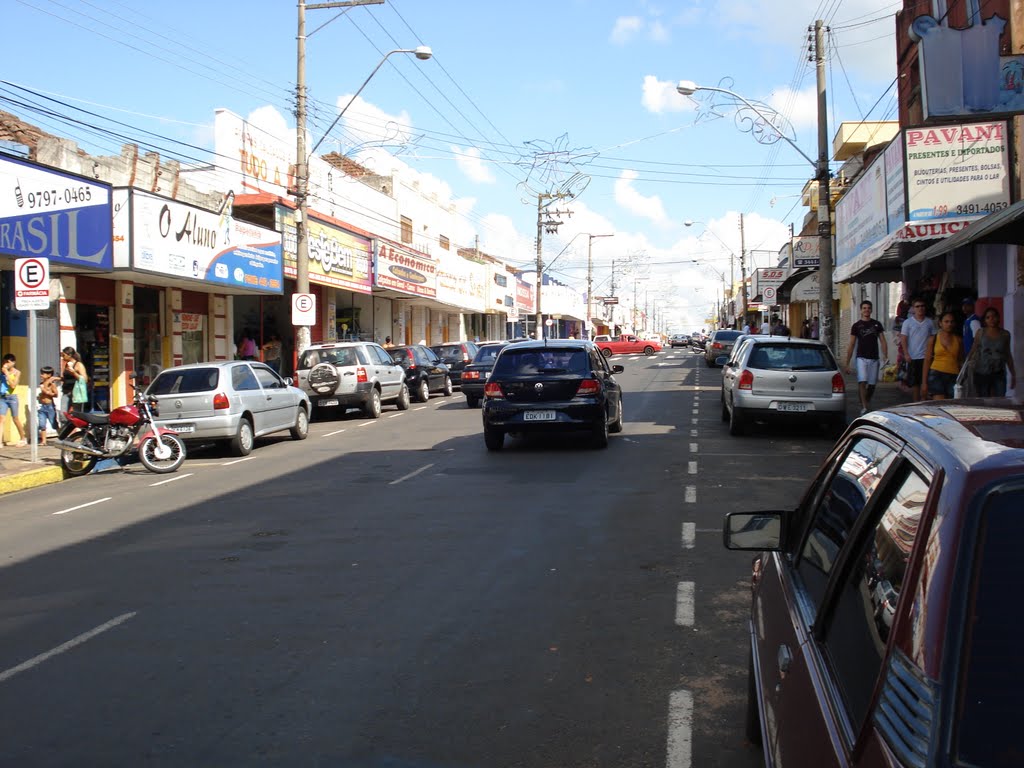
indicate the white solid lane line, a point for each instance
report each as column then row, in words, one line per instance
column 237, row 461
column 411, row 474
column 170, row 480
column 335, row 432
column 83, row 506
column 680, row 730
column 37, row 660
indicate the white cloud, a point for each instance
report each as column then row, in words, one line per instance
column 801, row 107
column 661, row 96
column 626, row 29
column 472, row 165
column 628, row 197
column 659, row 32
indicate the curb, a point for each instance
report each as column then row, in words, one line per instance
column 33, row 478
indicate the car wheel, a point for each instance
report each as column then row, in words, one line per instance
column 402, row 403
column 709, row 363
column 606, row 352
column 472, row 401
column 648, row 351
column 736, row 425
column 448, row 388
column 423, row 391
column 301, row 429
column 242, row 442
column 494, row 439
column 372, row 407
column 616, row 426
column 753, row 719
column 599, row 439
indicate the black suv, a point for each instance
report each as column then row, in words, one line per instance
column 456, row 355
column 425, row 372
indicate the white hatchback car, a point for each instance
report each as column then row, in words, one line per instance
column 782, row 379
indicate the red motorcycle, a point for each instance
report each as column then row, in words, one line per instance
column 88, row 437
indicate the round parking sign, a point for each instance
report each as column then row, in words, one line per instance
column 769, row 293
column 31, row 283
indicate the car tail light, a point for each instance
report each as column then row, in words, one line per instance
column 493, row 389
column 361, row 375
column 746, row 380
column 465, row 356
column 716, row 345
column 838, row 385
column 588, row 388
column 474, row 375
column 412, row 359
column 220, row 402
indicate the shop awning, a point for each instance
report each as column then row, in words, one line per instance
column 883, row 261
column 784, row 291
column 1006, row 226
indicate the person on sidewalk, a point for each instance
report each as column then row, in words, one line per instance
column 914, row 336
column 972, row 323
column 49, row 389
column 943, row 357
column 9, row 378
column 866, row 335
column 992, row 352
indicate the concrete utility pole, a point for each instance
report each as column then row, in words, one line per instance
column 544, row 199
column 824, row 198
column 743, row 275
column 590, row 280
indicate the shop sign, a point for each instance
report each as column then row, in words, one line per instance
column 768, row 279
column 861, row 215
column 55, row 215
column 895, row 188
column 260, row 161
column 806, row 252
column 337, row 258
column 191, row 322
column 462, row 283
column 809, row 289
column 402, row 270
column 956, row 171
column 166, row 237
column 524, row 296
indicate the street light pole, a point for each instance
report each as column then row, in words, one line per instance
column 590, row 277
column 302, row 336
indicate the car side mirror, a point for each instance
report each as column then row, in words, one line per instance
column 289, row 381
column 617, row 369
column 756, row 531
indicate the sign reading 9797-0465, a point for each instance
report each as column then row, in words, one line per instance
column 55, row 215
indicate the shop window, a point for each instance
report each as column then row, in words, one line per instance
column 407, row 230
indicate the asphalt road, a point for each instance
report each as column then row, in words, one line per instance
column 389, row 594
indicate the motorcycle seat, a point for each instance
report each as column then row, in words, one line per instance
column 93, row 418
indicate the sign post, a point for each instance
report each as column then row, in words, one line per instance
column 32, row 292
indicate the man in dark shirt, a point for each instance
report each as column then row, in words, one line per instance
column 865, row 336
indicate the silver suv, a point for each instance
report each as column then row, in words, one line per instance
column 351, row 374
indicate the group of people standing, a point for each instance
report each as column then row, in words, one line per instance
column 933, row 356
column 70, row 391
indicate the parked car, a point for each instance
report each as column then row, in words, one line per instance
column 233, row 401
column 921, row 669
column 782, row 380
column 719, row 343
column 456, row 355
column 424, row 371
column 351, row 374
column 557, row 385
column 474, row 375
column 679, row 340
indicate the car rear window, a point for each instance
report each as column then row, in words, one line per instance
column 487, row 354
column 185, row 382
column 448, row 351
column 343, row 356
column 784, row 357
column 524, row 362
column 727, row 335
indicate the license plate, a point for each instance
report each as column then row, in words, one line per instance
column 538, row 416
column 793, row 407
column 327, row 403
column 181, row 428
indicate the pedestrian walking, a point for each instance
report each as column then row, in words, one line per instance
column 914, row 335
column 992, row 357
column 49, row 391
column 943, row 358
column 867, row 335
column 74, row 380
column 9, row 378
column 972, row 323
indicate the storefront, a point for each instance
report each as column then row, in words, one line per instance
column 405, row 281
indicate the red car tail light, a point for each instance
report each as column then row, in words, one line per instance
column 746, row 380
column 361, row 375
column 588, row 388
column 493, row 389
column 472, row 375
column 220, row 402
column 465, row 357
column 838, row 385
column 717, row 345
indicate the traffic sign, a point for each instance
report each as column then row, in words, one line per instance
column 304, row 309
column 31, row 283
column 768, row 293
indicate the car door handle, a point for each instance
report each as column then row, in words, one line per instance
column 348, row 373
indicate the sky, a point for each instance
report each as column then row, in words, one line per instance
column 518, row 98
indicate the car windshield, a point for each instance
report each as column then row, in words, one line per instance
column 184, row 382
column 784, row 357
column 525, row 362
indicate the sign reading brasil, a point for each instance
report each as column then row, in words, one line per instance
column 55, row 215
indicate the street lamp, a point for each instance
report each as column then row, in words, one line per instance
column 422, row 53
column 821, row 174
column 732, row 257
column 590, row 276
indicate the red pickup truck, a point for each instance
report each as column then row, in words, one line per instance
column 626, row 344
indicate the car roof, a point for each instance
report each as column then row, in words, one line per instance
column 211, row 364
column 554, row 344
column 337, row 344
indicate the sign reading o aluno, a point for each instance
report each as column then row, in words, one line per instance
column 304, row 309
column 31, row 283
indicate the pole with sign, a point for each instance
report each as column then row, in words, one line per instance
column 32, row 292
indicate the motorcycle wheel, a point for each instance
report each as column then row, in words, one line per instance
column 148, row 454
column 77, row 464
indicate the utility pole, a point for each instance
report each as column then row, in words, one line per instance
column 550, row 226
column 743, row 275
column 824, row 198
column 590, row 277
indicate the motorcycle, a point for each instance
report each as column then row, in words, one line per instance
column 85, row 438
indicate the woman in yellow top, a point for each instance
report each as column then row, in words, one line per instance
column 943, row 358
